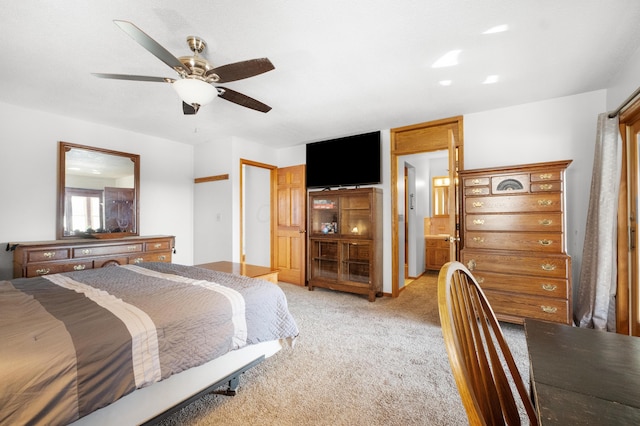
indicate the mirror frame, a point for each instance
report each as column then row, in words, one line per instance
column 63, row 148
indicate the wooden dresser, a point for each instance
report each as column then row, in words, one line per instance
column 31, row 259
column 514, row 239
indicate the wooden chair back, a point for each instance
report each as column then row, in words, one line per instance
column 483, row 366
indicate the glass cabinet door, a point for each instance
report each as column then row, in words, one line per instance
column 356, row 261
column 324, row 259
column 355, row 216
column 324, row 215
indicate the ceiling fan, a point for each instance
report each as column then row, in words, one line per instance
column 197, row 76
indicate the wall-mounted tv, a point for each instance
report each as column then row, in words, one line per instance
column 348, row 161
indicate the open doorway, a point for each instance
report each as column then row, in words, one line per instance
column 426, row 216
column 436, row 136
column 257, row 213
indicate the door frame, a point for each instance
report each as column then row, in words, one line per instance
column 273, row 175
column 415, row 139
column 628, row 278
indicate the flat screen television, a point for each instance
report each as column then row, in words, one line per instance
column 348, row 161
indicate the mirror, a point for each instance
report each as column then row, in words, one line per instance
column 440, row 196
column 98, row 192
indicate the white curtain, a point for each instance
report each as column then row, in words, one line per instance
column 596, row 305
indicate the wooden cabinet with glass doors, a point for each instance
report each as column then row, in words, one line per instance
column 345, row 240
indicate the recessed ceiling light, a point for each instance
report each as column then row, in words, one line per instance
column 447, row 60
column 445, row 82
column 490, row 79
column 497, row 29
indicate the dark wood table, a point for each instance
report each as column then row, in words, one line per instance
column 583, row 376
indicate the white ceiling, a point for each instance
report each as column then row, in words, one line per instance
column 342, row 67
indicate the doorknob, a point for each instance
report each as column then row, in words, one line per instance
column 302, row 231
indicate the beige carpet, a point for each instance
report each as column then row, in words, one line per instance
column 355, row 363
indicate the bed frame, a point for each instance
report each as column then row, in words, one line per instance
column 151, row 404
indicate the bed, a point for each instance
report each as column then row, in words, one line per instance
column 124, row 344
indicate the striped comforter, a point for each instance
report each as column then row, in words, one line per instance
column 72, row 343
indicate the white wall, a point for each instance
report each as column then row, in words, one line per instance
column 624, row 83
column 28, row 161
column 555, row 129
column 217, row 214
column 213, row 208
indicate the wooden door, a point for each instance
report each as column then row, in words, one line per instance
column 291, row 225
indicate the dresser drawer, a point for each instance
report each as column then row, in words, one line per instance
column 542, row 222
column 36, row 270
column 106, row 250
column 533, row 286
column 551, row 202
column 151, row 257
column 510, row 183
column 524, row 241
column 549, row 266
column 157, row 246
column 479, row 190
column 46, row 255
column 476, row 181
column 511, row 305
column 546, row 176
column 101, row 262
column 546, row 187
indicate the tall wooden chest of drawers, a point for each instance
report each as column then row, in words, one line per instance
column 35, row 258
column 514, row 239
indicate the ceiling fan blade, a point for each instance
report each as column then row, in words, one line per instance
column 243, row 100
column 152, row 46
column 135, row 77
column 241, row 70
column 189, row 109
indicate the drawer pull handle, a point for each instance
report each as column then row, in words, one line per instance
column 545, row 176
column 545, row 222
column 49, row 254
column 478, row 204
column 545, row 202
column 549, row 287
column 138, row 260
column 476, row 191
column 132, row 248
column 471, row 265
column 478, row 221
column 545, row 242
column 549, row 309
column 44, row 271
column 157, row 245
column 79, row 267
column 86, row 251
column 478, row 239
column 476, row 181
column 546, row 186
column 162, row 258
column 548, row 267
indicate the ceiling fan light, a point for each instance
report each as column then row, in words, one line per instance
column 194, row 91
